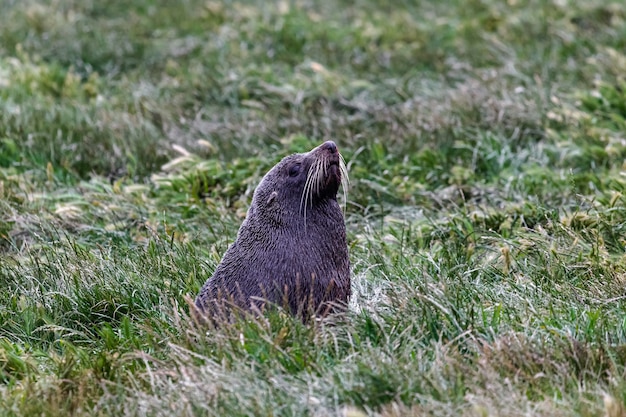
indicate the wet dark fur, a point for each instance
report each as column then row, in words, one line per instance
column 290, row 250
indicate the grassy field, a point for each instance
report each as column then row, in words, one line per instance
column 486, row 215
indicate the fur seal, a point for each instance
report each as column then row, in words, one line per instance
column 291, row 249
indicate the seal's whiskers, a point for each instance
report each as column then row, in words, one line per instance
column 345, row 181
column 319, row 164
column 307, row 191
column 316, row 179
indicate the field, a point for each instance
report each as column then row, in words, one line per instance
column 486, row 213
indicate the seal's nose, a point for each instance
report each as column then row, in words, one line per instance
column 330, row 147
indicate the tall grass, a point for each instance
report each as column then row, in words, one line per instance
column 486, row 215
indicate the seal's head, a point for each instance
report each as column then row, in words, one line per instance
column 301, row 182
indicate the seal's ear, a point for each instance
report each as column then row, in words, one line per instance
column 272, row 197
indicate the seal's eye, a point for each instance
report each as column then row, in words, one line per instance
column 294, row 170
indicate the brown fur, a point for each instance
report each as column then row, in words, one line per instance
column 291, row 249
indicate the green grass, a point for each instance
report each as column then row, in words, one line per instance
column 486, row 215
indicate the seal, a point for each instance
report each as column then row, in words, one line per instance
column 291, row 249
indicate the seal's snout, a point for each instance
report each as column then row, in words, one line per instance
column 330, row 147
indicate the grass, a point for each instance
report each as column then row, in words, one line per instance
column 486, row 216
